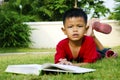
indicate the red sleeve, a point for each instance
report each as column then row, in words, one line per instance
column 90, row 52
column 59, row 53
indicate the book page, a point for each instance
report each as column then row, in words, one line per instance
column 65, row 68
column 24, row 69
column 37, row 69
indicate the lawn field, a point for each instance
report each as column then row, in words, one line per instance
column 106, row 69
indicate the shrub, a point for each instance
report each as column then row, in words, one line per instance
column 116, row 13
column 13, row 33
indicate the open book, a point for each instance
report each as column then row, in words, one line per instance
column 36, row 69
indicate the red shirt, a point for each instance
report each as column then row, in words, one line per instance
column 87, row 53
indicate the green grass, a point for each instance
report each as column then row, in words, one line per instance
column 106, row 69
column 14, row 50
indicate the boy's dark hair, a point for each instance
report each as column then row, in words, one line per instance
column 74, row 12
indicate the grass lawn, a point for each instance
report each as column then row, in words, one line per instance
column 106, row 69
column 19, row 50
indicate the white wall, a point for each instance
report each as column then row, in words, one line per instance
column 48, row 34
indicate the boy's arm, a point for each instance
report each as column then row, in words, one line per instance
column 91, row 33
column 60, row 54
column 65, row 62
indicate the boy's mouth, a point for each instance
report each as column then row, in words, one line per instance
column 75, row 35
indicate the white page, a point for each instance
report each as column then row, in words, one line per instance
column 36, row 68
column 24, row 69
column 68, row 68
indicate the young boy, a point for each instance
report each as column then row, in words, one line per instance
column 78, row 49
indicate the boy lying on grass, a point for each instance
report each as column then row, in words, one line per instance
column 81, row 46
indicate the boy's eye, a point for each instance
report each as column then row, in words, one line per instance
column 69, row 27
column 80, row 26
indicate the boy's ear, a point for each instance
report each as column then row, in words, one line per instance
column 64, row 31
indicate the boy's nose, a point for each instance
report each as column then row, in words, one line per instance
column 75, row 29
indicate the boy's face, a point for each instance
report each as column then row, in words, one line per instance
column 74, row 28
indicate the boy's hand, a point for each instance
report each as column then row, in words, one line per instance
column 89, row 26
column 64, row 62
column 91, row 21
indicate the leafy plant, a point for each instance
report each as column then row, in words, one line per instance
column 13, row 33
column 52, row 10
column 116, row 13
column 94, row 7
